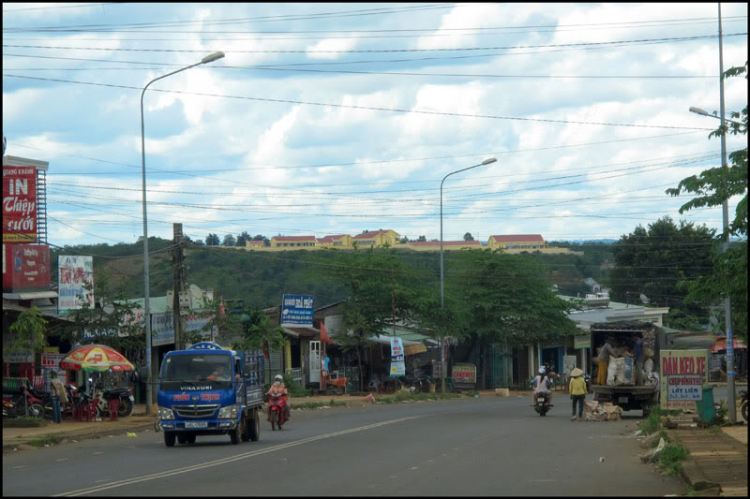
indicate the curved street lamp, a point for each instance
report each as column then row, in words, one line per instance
column 442, row 280
column 146, row 312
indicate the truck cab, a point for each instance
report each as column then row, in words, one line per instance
column 210, row 390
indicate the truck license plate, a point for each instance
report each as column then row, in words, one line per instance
column 623, row 400
column 196, row 424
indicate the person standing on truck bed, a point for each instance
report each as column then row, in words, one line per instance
column 638, row 359
column 605, row 353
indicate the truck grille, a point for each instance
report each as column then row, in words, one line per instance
column 196, row 410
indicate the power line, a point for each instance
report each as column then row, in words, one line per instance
column 368, row 108
column 421, row 33
column 369, row 51
column 6, row 11
column 610, row 25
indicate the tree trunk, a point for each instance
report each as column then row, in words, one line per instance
column 359, row 363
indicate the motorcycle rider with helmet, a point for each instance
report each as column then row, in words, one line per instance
column 542, row 385
column 278, row 387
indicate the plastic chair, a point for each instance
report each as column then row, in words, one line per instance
column 113, row 406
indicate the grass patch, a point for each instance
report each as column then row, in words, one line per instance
column 671, row 457
column 45, row 440
column 24, row 423
column 652, row 423
column 405, row 396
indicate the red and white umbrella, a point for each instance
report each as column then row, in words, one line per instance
column 95, row 358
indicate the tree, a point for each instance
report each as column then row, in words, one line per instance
column 28, row 332
column 713, row 187
column 242, row 238
column 112, row 323
column 229, row 240
column 379, row 287
column 468, row 237
column 653, row 261
column 404, row 240
column 258, row 332
column 496, row 297
column 421, row 239
column 212, row 240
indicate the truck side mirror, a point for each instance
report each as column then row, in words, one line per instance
column 142, row 373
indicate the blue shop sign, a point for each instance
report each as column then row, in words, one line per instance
column 297, row 310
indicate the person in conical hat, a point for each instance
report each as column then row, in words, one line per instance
column 577, row 392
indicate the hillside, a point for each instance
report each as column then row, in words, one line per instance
column 262, row 278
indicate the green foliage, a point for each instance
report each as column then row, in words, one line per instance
column 670, row 458
column 212, row 240
column 28, row 332
column 293, row 388
column 406, row 396
column 502, row 298
column 229, row 240
column 24, row 422
column 468, row 237
column 46, row 440
column 114, row 316
column 652, row 423
column 712, row 187
column 654, row 261
column 257, row 332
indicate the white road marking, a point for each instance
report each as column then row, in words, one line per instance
column 414, row 468
column 19, row 467
column 97, row 453
column 61, row 460
column 218, row 462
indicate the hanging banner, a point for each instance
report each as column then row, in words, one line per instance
column 26, row 267
column 162, row 328
column 683, row 373
column 398, row 365
column 75, row 283
column 19, row 204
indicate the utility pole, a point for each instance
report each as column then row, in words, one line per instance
column 178, row 280
column 725, row 215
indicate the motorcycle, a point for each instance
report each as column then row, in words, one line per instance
column 542, row 405
column 24, row 404
column 122, row 394
column 743, row 404
column 277, row 403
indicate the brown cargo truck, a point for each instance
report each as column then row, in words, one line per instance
column 624, row 334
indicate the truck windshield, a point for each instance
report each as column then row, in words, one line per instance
column 198, row 367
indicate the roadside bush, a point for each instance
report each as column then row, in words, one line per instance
column 24, row 423
column 46, row 440
column 671, row 457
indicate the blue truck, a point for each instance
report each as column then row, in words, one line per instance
column 210, row 390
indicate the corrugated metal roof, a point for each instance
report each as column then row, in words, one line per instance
column 513, row 238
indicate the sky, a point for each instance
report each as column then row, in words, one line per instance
column 338, row 118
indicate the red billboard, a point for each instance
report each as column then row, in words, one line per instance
column 19, row 204
column 26, row 267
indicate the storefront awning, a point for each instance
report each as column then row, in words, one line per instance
column 30, row 295
column 301, row 332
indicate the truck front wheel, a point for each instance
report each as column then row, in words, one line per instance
column 236, row 435
column 169, row 438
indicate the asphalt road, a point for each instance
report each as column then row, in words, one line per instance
column 484, row 446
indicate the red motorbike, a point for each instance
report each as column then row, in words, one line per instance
column 277, row 404
column 24, row 404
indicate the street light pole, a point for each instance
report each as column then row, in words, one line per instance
column 147, row 312
column 731, row 407
column 442, row 280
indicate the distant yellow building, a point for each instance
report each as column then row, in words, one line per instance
column 376, row 238
column 253, row 244
column 339, row 241
column 518, row 243
column 295, row 242
column 447, row 245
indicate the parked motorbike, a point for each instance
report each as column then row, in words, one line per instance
column 122, row 394
column 743, row 404
column 420, row 384
column 277, row 403
column 542, row 405
column 23, row 404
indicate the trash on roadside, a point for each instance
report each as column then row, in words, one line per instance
column 601, row 459
column 639, row 433
column 369, row 398
column 131, row 435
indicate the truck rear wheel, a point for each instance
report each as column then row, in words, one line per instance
column 169, row 438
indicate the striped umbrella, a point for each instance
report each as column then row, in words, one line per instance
column 95, row 358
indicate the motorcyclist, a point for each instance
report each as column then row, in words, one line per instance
column 542, row 385
column 278, row 387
